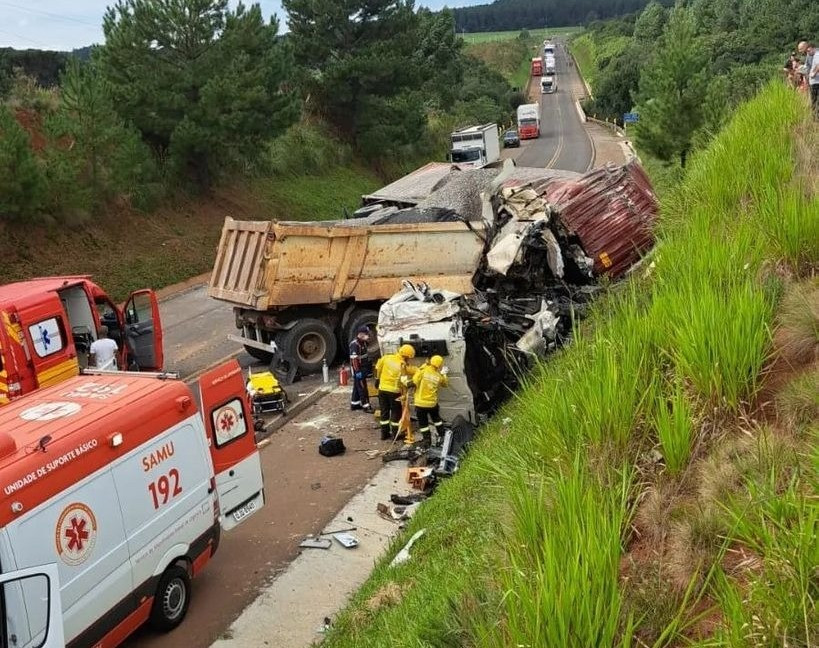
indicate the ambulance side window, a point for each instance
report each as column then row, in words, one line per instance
column 48, row 336
column 229, row 422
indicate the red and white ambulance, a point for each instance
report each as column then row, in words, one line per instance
column 114, row 490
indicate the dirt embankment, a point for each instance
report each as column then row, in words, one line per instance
column 125, row 249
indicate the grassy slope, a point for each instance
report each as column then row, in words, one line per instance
column 125, row 250
column 633, row 492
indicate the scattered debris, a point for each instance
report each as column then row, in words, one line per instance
column 325, row 533
column 331, row 446
column 404, row 555
column 419, row 477
column 315, row 543
column 412, row 498
column 397, row 513
column 346, row 540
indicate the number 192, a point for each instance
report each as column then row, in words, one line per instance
column 165, row 488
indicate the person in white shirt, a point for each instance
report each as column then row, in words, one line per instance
column 104, row 350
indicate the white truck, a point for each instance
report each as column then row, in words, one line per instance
column 475, row 147
column 549, row 67
column 548, row 85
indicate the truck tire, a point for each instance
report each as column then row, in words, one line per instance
column 308, row 344
column 173, row 595
column 358, row 318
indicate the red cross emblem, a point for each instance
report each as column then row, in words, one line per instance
column 76, row 533
column 227, row 420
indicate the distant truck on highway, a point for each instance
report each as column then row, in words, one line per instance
column 548, row 47
column 475, row 147
column 537, row 67
column 529, row 121
column 549, row 66
column 548, row 85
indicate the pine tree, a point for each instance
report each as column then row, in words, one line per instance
column 672, row 90
column 360, row 69
column 22, row 188
column 649, row 25
column 203, row 83
column 93, row 155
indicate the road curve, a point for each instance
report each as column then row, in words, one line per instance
column 563, row 143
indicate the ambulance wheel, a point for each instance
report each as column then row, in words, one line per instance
column 307, row 344
column 173, row 595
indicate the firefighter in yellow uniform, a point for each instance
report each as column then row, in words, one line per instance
column 428, row 380
column 389, row 371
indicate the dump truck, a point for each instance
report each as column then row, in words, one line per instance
column 537, row 67
column 307, row 287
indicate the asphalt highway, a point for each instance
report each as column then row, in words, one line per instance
column 563, row 143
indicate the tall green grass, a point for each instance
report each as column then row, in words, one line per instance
column 526, row 541
column 674, row 421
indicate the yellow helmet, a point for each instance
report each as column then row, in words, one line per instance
column 407, row 351
column 436, row 361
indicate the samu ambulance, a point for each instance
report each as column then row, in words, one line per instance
column 114, row 488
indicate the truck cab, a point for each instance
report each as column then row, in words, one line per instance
column 475, row 147
column 548, row 85
column 47, row 327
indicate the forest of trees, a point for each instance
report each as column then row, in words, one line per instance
column 684, row 69
column 184, row 94
column 505, row 15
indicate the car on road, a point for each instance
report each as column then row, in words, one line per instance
column 511, row 138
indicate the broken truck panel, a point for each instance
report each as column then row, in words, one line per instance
column 612, row 211
column 412, row 188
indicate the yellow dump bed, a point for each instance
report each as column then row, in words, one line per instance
column 270, row 264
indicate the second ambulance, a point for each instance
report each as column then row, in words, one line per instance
column 115, row 489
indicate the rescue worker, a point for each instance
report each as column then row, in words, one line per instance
column 392, row 372
column 428, row 380
column 359, row 363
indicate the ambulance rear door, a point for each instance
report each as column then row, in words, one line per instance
column 38, row 621
column 232, row 441
column 47, row 340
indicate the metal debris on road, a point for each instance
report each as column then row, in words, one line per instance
column 346, row 540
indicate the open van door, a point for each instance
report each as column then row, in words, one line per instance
column 42, row 612
column 232, row 441
column 143, row 331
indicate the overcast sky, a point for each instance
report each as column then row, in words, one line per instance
column 70, row 24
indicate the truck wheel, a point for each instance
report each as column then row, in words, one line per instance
column 307, row 344
column 173, row 595
column 358, row 318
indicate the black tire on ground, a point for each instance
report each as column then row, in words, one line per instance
column 307, row 344
column 173, row 595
